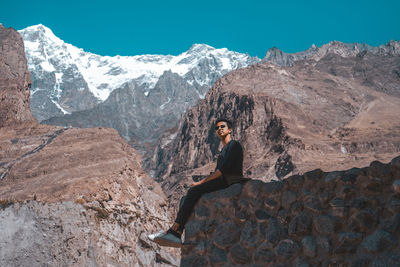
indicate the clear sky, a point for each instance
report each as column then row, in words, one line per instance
column 116, row 27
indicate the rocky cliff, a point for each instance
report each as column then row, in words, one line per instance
column 15, row 80
column 340, row 218
column 332, row 113
column 70, row 197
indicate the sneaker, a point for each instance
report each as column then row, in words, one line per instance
column 166, row 239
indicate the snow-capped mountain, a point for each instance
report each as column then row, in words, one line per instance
column 68, row 79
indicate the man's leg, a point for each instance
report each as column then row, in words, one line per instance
column 193, row 195
column 172, row 237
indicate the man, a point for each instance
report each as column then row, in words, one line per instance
column 229, row 170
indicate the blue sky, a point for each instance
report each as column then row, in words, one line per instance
column 170, row 27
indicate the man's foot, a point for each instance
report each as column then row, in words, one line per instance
column 166, row 239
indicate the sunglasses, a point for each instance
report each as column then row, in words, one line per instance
column 220, row 126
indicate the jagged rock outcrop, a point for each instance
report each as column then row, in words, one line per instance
column 68, row 196
column 332, row 113
column 340, row 218
column 15, row 80
column 277, row 56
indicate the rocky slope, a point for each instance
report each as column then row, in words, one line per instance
column 341, row 218
column 70, row 197
column 332, row 113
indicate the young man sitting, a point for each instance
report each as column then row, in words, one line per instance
column 229, row 170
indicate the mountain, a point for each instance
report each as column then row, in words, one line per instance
column 69, row 196
column 333, row 113
column 70, row 79
column 139, row 96
column 275, row 55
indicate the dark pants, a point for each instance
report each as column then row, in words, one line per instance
column 193, row 195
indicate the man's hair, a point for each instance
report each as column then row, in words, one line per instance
column 228, row 122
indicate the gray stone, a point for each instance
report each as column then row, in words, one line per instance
column 348, row 192
column 335, row 262
column 193, row 260
column 193, row 228
column 271, row 204
column 288, row 197
column 286, row 249
column 313, row 205
column 395, row 205
column 312, row 178
column 387, row 260
column 264, row 254
column 242, row 215
column 338, row 202
column 239, row 254
column 285, row 215
column 379, row 170
column 202, row 247
column 272, row 188
column 295, row 182
column 363, row 221
column 348, row 242
column 360, row 203
column 396, row 186
column 202, row 211
column 226, row 234
column 362, row 262
column 262, row 215
column 333, row 176
column 217, row 255
column 325, row 224
column 301, row 263
column 395, row 161
column 350, row 175
column 392, row 224
column 378, row 241
column 309, row 246
column 232, row 191
column 323, row 244
column 339, row 207
column 275, row 232
column 250, row 236
column 301, row 224
column 252, row 188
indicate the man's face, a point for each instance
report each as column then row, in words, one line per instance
column 222, row 129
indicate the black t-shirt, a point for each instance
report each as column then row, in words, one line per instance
column 230, row 160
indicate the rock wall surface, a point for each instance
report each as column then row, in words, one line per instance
column 15, row 78
column 68, row 196
column 340, row 218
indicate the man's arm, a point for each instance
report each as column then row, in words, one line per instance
column 212, row 176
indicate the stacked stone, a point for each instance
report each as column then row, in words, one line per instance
column 342, row 218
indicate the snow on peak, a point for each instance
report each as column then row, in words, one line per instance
column 103, row 74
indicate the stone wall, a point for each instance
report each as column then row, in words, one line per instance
column 342, row 218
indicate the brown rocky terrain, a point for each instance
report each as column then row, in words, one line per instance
column 15, row 80
column 341, row 218
column 332, row 112
column 70, row 197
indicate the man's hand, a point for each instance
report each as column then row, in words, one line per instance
column 196, row 183
column 212, row 176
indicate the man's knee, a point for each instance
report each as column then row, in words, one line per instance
column 193, row 191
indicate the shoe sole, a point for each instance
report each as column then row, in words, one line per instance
column 166, row 243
